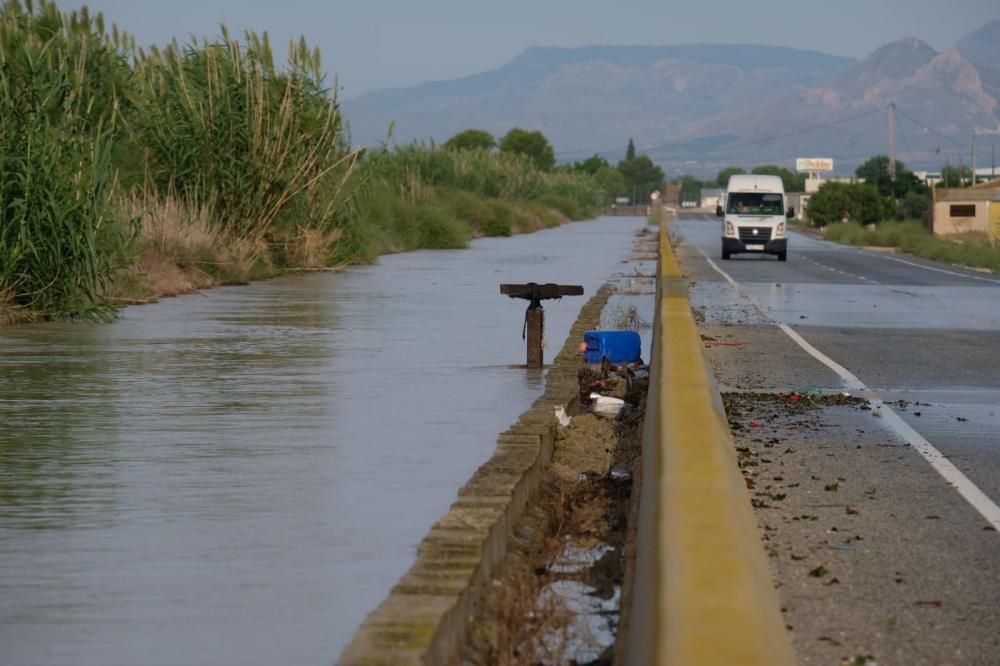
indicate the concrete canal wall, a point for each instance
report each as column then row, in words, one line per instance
column 426, row 615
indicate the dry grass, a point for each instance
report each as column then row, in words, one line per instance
column 524, row 619
column 311, row 249
column 180, row 250
column 10, row 313
column 525, row 626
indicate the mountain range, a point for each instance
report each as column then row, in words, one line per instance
column 697, row 108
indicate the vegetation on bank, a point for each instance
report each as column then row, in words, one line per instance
column 126, row 174
column 911, row 237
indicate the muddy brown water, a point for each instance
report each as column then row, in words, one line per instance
column 239, row 476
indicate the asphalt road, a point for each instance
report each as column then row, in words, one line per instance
column 880, row 513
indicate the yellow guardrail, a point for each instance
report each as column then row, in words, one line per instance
column 703, row 592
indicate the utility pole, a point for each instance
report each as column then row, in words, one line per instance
column 975, row 132
column 973, row 156
column 892, row 141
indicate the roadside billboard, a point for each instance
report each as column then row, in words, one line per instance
column 813, row 164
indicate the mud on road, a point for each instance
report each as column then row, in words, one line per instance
column 857, row 549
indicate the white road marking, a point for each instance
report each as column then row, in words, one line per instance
column 938, row 270
column 986, row 507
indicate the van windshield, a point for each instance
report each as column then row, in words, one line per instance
column 755, row 203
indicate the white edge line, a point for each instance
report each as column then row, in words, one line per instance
column 944, row 467
column 940, row 270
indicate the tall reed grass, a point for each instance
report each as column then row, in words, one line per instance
column 60, row 240
column 221, row 124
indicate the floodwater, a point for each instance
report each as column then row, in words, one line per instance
column 240, row 476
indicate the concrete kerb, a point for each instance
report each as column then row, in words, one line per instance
column 426, row 617
column 706, row 594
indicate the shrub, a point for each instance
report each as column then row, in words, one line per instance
column 833, row 202
column 913, row 206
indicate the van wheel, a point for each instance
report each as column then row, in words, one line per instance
column 783, row 256
column 725, row 254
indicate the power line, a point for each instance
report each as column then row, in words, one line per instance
column 925, row 127
column 796, row 132
column 902, row 135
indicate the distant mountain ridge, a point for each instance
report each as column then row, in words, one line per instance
column 982, row 49
column 702, row 106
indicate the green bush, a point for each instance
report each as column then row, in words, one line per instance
column 913, row 206
column 857, row 202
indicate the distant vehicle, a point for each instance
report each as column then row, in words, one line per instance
column 753, row 215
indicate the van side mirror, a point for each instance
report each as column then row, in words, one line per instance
column 718, row 211
column 791, row 212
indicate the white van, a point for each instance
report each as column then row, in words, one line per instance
column 753, row 215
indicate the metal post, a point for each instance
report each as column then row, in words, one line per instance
column 534, row 321
column 892, row 141
column 973, row 156
column 534, row 316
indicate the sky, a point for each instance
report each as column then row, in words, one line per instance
column 373, row 44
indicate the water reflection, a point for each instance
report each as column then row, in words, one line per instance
column 239, row 476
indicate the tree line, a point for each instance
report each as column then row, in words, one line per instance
column 635, row 177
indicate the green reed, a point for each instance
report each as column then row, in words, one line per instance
column 222, row 125
column 60, row 239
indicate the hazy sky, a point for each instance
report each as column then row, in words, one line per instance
column 369, row 44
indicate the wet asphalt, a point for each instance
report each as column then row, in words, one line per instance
column 909, row 569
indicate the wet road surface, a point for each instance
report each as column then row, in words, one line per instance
column 239, row 476
column 910, row 537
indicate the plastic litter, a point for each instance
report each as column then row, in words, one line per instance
column 620, row 474
column 563, row 418
column 606, row 406
column 616, row 346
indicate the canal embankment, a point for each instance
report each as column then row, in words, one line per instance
column 538, row 528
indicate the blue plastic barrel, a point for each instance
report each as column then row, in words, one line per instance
column 616, row 346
